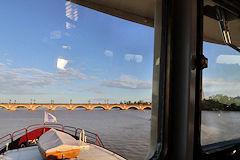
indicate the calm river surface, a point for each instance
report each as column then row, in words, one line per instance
column 219, row 126
column 124, row 132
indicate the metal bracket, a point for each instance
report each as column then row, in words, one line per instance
column 203, row 62
column 223, row 23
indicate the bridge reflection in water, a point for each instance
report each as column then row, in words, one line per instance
column 52, row 107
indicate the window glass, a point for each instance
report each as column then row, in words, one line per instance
column 221, row 94
column 89, row 69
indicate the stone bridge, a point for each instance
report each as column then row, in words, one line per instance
column 52, row 107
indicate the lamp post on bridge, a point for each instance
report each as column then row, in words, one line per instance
column 70, row 101
column 52, row 101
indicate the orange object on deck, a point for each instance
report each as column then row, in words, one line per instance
column 58, row 145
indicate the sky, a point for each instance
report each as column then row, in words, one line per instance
column 223, row 73
column 54, row 49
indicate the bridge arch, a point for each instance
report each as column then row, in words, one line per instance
column 3, row 108
column 21, row 108
column 41, row 108
column 116, row 108
column 132, row 108
column 60, row 108
column 80, row 108
column 99, row 107
column 147, row 108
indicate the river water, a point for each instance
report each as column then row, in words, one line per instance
column 219, row 126
column 124, row 132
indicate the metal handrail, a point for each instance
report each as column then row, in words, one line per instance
column 57, row 126
column 19, row 132
column 98, row 140
column 10, row 137
column 34, row 125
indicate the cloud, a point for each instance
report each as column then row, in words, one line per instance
column 71, row 74
column 9, row 62
column 108, row 53
column 34, row 81
column 127, row 81
column 66, row 47
column 55, row 35
column 228, row 59
column 13, row 82
column 92, row 77
column 61, row 63
column 1, row 64
column 133, row 57
column 207, row 82
column 94, row 90
column 220, row 86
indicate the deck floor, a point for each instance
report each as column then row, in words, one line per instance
column 31, row 153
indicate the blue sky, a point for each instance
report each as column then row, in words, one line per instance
column 107, row 57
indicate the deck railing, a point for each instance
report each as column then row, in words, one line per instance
column 7, row 139
column 75, row 132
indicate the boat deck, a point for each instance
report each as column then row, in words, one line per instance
column 29, row 153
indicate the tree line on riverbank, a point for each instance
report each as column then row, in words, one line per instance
column 140, row 102
column 221, row 102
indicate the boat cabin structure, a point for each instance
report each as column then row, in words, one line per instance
column 180, row 26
